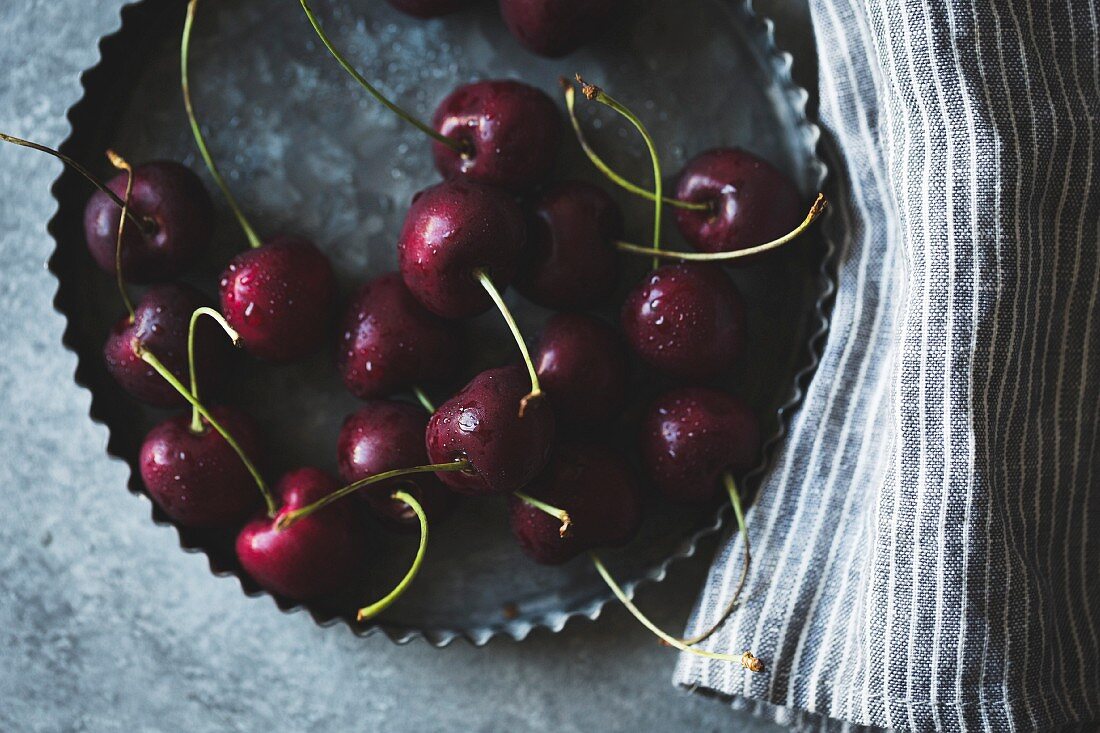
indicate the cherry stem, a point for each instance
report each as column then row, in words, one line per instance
column 369, row 612
column 735, row 500
column 815, row 211
column 423, row 399
column 147, row 226
column 149, row 358
column 491, row 289
column 559, row 514
column 118, row 162
column 453, row 144
column 196, row 131
column 596, row 94
column 196, row 422
column 603, row 167
column 665, row 637
column 290, row 518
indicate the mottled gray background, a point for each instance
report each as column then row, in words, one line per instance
column 105, row 625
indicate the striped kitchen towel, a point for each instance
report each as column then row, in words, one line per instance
column 927, row 541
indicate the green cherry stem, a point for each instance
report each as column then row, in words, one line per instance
column 373, row 91
column 118, row 162
column 423, row 399
column 196, row 421
column 369, row 612
column 149, row 358
column 290, row 518
column 596, row 94
column 559, row 514
column 735, row 500
column 147, row 226
column 665, row 637
column 196, row 131
column 603, row 167
column 491, row 289
column 815, row 211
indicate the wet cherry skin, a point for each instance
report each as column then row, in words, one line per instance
column 555, row 28
column 384, row 435
column 482, row 425
column 280, row 297
column 197, row 478
column 582, row 366
column 316, row 556
column 687, row 320
column 509, row 131
column 691, row 435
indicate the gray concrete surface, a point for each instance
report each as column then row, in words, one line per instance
column 106, row 626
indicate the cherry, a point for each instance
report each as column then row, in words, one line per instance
column 687, row 320
column 391, row 342
column 197, row 478
column 503, row 133
column 691, row 436
column 571, row 261
column 315, row 556
column 452, row 230
column 582, row 367
column 429, row 8
column 508, row 134
column 558, row 27
column 594, row 485
column 382, row 436
column 280, row 298
column 749, row 201
column 179, row 216
column 160, row 324
column 480, row 425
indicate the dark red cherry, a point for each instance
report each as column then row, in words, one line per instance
column 582, row 368
column 390, row 342
column 690, row 436
column 315, row 556
column 381, row 436
column 687, row 320
column 571, row 261
column 481, row 424
column 181, row 219
column 557, row 27
column 429, row 8
column 197, row 478
column 509, row 132
column 280, row 298
column 750, row 201
column 594, row 485
column 453, row 229
column 161, row 320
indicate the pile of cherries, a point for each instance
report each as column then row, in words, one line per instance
column 493, row 221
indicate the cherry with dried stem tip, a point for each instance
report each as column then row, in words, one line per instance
column 815, row 211
column 603, row 167
column 596, row 94
column 145, row 225
column 150, row 358
column 498, row 300
column 234, row 337
column 746, row 660
column 560, row 514
column 735, row 501
column 370, row 611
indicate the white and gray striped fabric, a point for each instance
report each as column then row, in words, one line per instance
column 927, row 542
